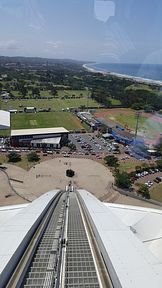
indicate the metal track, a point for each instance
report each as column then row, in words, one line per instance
column 35, row 267
column 44, row 266
column 60, row 254
column 80, row 267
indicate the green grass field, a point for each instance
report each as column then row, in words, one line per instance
column 128, row 165
column 45, row 120
column 115, row 102
column 129, row 120
column 123, row 116
column 60, row 93
column 156, row 193
column 4, row 133
column 55, row 104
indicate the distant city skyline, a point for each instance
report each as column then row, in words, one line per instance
column 114, row 31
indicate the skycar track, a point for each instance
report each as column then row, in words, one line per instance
column 60, row 252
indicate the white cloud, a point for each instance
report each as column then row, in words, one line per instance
column 54, row 48
column 10, row 44
column 34, row 26
column 54, row 44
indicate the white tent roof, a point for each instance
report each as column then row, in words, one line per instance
column 7, row 212
column 134, row 257
column 130, row 263
column 145, row 222
column 16, row 228
column 4, row 119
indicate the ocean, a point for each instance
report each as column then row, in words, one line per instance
column 145, row 71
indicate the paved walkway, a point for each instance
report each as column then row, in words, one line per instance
column 51, row 174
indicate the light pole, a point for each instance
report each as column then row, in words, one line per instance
column 137, row 115
column 88, row 94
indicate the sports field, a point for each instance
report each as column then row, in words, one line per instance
column 45, row 120
column 64, row 99
column 124, row 117
column 150, row 125
column 56, row 104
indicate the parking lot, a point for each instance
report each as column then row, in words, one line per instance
column 92, row 145
column 150, row 178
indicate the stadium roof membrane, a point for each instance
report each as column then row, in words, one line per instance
column 16, row 229
column 129, row 237
column 130, row 262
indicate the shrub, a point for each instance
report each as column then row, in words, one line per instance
column 122, row 180
column 33, row 157
column 14, row 157
column 144, row 191
column 111, row 161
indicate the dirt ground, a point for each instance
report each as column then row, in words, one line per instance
column 7, row 195
column 51, row 174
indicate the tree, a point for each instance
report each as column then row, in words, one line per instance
column 137, row 106
column 145, row 166
column 14, row 157
column 82, row 107
column 148, row 109
column 101, row 95
column 33, row 157
column 142, row 96
column 72, row 146
column 159, row 147
column 103, row 129
column 35, row 91
column 24, row 91
column 1, row 86
column 111, row 161
column 159, row 163
column 144, row 191
column 138, row 168
column 53, row 91
column 122, row 180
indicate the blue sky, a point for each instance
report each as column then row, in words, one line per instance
column 98, row 30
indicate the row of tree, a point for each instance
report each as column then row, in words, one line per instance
column 139, row 97
column 16, row 157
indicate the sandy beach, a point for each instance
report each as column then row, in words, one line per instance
column 123, row 76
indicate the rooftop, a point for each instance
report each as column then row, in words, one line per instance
column 55, row 140
column 4, row 119
column 38, row 131
column 30, row 108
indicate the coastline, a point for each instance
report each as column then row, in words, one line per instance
column 123, row 76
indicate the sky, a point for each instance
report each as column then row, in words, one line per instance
column 117, row 31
